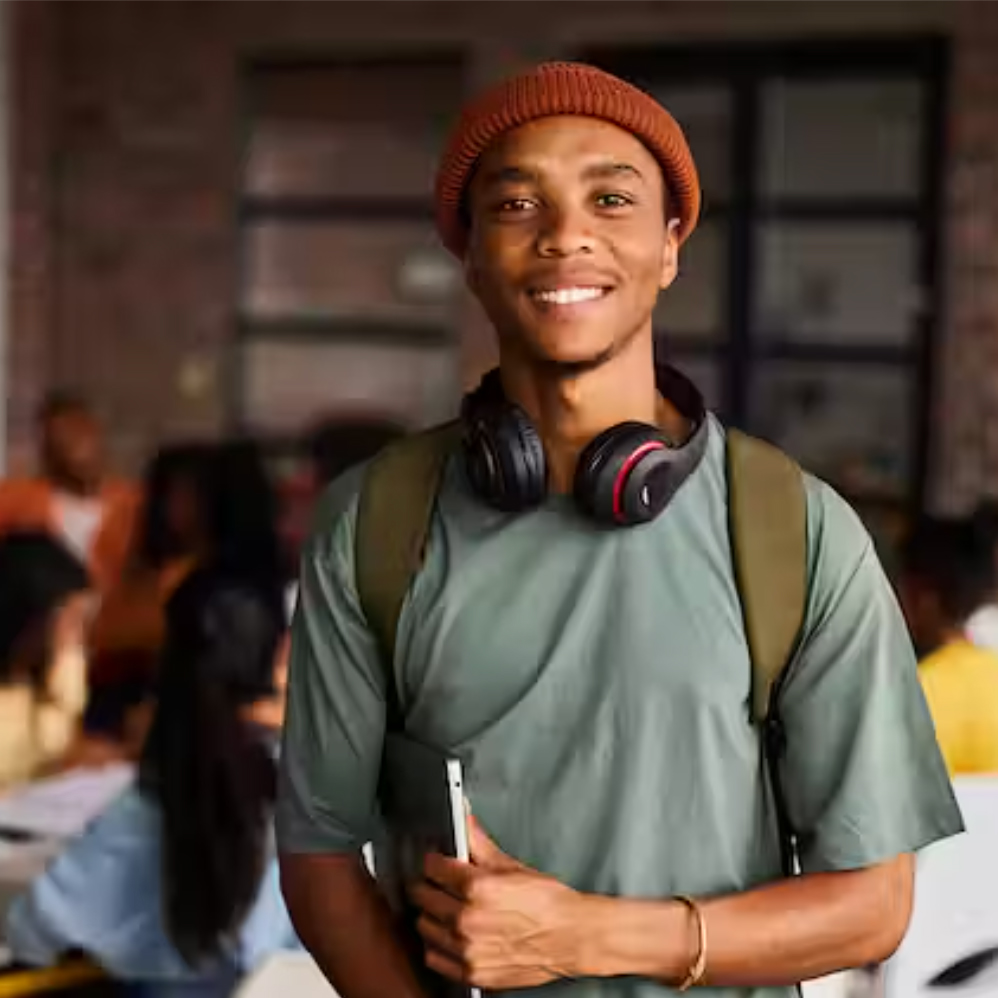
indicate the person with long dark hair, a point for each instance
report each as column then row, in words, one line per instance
column 242, row 516
column 207, row 505
column 172, row 537
column 175, row 888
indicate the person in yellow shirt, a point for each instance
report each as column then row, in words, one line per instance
column 946, row 574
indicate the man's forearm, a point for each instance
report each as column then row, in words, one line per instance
column 781, row 934
column 346, row 926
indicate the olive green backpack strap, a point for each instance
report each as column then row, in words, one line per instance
column 393, row 523
column 767, row 509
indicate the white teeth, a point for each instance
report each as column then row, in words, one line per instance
column 569, row 296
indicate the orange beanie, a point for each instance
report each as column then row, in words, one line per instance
column 568, row 88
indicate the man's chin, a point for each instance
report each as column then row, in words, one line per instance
column 558, row 354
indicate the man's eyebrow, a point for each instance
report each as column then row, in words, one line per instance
column 605, row 171
column 509, row 175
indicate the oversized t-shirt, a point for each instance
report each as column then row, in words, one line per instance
column 595, row 684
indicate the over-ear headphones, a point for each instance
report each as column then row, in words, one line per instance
column 626, row 476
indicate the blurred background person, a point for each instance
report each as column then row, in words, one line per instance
column 982, row 625
column 335, row 445
column 44, row 605
column 332, row 445
column 947, row 574
column 172, row 537
column 175, row 888
column 207, row 506
column 242, row 518
column 74, row 497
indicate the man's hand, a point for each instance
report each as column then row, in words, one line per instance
column 496, row 923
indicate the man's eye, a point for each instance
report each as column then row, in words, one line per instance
column 614, row 201
column 513, row 205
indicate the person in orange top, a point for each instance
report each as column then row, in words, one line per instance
column 74, row 498
column 171, row 537
column 946, row 574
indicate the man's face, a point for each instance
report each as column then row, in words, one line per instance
column 72, row 448
column 569, row 244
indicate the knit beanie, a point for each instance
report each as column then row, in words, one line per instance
column 562, row 88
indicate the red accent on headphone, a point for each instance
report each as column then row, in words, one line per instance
column 625, row 470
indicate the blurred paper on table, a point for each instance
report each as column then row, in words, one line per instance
column 60, row 807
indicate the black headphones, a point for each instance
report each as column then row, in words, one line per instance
column 625, row 476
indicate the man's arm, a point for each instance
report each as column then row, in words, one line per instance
column 498, row 924
column 791, row 931
column 346, row 926
column 329, row 766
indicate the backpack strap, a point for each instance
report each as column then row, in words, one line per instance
column 393, row 522
column 767, row 510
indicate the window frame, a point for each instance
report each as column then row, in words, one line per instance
column 743, row 68
column 252, row 209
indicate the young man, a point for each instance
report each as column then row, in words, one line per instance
column 74, row 498
column 593, row 679
column 947, row 573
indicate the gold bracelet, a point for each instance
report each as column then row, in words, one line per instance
column 698, row 967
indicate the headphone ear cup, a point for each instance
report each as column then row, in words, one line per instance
column 609, row 477
column 504, row 457
column 531, row 473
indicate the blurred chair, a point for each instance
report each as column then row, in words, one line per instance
column 287, row 974
column 74, row 977
column 952, row 944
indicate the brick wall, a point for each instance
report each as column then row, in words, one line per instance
column 126, row 165
column 30, row 314
column 965, row 410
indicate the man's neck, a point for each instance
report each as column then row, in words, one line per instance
column 569, row 411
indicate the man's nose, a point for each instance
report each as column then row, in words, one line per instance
column 565, row 232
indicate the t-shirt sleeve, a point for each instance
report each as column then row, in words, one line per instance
column 863, row 777
column 334, row 729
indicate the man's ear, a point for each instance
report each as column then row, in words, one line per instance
column 670, row 254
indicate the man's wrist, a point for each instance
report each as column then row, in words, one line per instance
column 625, row 937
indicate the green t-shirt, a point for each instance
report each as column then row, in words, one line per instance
column 595, row 684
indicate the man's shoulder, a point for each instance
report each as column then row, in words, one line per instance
column 25, row 491
column 336, row 508
column 122, row 492
column 844, row 572
column 835, row 533
column 338, row 503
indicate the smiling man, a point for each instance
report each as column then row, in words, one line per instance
column 575, row 632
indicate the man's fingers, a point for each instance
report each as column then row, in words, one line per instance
column 437, row 936
column 446, row 966
column 452, row 875
column 484, row 851
column 438, row 904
